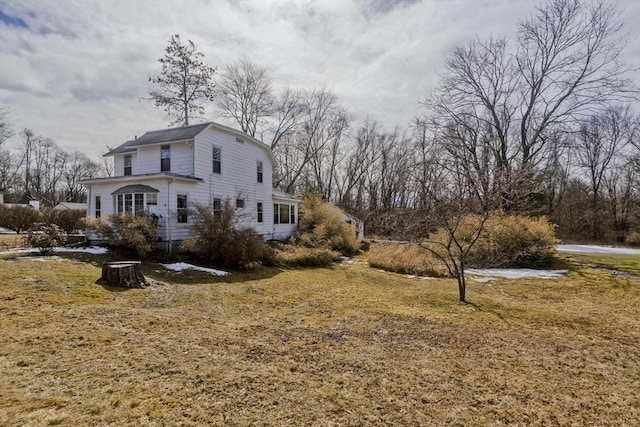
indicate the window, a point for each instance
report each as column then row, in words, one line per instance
column 240, row 140
column 165, row 158
column 239, row 203
column 131, row 202
column 138, row 203
column 259, row 211
column 127, row 164
column 217, row 207
column 128, row 203
column 283, row 214
column 259, row 171
column 98, row 206
column 217, row 160
column 182, row 208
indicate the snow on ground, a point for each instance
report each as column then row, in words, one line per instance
column 594, row 249
column 179, row 266
column 96, row 250
column 517, row 273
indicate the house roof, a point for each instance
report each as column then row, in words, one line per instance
column 145, row 176
column 71, row 206
column 135, row 188
column 159, row 136
column 183, row 133
column 277, row 194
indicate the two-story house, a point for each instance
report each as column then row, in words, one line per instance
column 166, row 172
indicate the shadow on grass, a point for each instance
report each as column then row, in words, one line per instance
column 153, row 270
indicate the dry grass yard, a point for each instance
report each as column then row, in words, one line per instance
column 343, row 346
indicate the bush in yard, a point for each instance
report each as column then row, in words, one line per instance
column 505, row 241
column 407, row 258
column 321, row 226
column 18, row 218
column 296, row 256
column 69, row 220
column 127, row 232
column 45, row 237
column 514, row 241
column 219, row 239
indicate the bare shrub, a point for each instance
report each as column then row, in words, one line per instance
column 321, row 226
column 218, row 239
column 69, row 220
column 296, row 256
column 18, row 218
column 45, row 237
column 514, row 241
column 127, row 232
column 407, row 258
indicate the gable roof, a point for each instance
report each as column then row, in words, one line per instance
column 159, row 136
column 278, row 194
column 182, row 134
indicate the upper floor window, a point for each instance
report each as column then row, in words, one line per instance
column 259, row 169
column 182, row 208
column 165, row 158
column 127, row 164
column 217, row 160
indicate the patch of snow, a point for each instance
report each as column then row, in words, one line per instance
column 517, row 273
column 179, row 266
column 17, row 251
column 96, row 250
column 595, row 249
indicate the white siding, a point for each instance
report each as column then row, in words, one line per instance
column 238, row 177
column 181, row 159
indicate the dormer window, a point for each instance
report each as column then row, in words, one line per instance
column 165, row 158
column 127, row 164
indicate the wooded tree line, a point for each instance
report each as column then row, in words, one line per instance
column 33, row 167
column 541, row 125
column 544, row 124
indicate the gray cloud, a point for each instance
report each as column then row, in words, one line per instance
column 76, row 71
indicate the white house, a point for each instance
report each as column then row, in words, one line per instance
column 166, row 172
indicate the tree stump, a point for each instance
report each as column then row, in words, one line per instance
column 124, row 274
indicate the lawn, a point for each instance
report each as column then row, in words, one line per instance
column 347, row 345
column 623, row 262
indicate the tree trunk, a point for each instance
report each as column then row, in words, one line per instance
column 462, row 287
column 124, row 274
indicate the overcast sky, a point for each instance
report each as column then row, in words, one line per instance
column 75, row 71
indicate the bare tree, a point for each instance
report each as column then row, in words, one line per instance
column 600, row 140
column 305, row 153
column 6, row 130
column 244, row 95
column 78, row 167
column 183, row 83
column 498, row 109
